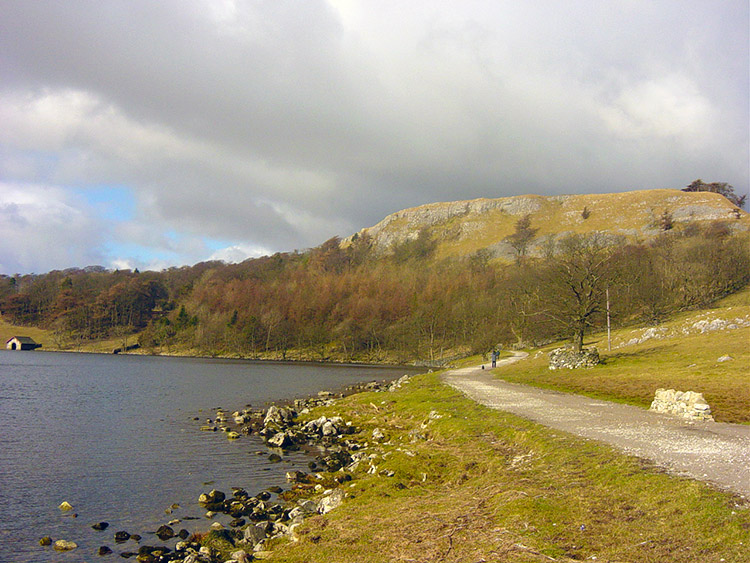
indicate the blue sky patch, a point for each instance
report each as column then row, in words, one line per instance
column 113, row 202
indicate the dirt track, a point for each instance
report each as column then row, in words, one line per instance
column 709, row 451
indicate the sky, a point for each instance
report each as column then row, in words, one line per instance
column 147, row 134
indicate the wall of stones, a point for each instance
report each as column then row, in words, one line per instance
column 565, row 358
column 685, row 404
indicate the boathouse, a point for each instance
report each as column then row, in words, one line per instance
column 22, row 343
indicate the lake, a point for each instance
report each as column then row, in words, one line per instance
column 115, row 436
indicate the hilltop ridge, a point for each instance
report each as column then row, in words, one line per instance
column 461, row 228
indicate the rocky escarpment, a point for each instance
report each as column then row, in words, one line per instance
column 463, row 227
column 406, row 224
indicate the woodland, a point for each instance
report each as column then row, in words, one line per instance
column 348, row 303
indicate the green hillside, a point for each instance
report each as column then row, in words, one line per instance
column 706, row 351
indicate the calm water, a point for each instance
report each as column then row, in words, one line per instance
column 115, row 437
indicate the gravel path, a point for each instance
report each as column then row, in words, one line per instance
column 715, row 452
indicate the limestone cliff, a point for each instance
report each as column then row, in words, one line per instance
column 461, row 228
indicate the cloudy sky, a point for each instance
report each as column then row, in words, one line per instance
column 148, row 134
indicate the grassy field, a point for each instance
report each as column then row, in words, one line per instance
column 41, row 336
column 678, row 356
column 49, row 342
column 458, row 482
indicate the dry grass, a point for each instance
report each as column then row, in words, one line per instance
column 470, row 484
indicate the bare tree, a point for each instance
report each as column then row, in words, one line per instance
column 575, row 281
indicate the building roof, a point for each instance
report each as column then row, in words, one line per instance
column 22, row 339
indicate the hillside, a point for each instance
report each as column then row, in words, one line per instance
column 461, row 228
column 415, row 287
column 451, row 480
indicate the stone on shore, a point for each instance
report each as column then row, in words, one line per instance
column 240, row 556
column 254, row 534
column 280, row 440
column 46, row 540
column 165, row 532
column 279, row 416
column 65, row 545
column 65, row 506
column 297, row 477
column 212, row 497
column 331, row 501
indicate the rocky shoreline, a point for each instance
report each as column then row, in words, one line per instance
column 272, row 514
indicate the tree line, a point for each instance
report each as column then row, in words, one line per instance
column 343, row 302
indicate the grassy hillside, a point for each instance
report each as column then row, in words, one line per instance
column 50, row 342
column 41, row 336
column 686, row 353
column 462, row 228
column 393, row 295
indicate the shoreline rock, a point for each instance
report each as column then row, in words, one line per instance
column 258, row 519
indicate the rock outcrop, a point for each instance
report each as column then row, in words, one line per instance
column 685, row 404
column 461, row 228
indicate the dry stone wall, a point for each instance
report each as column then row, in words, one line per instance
column 685, row 404
column 564, row 358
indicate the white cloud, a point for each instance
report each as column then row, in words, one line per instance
column 76, row 121
column 238, row 253
column 668, row 106
column 44, row 227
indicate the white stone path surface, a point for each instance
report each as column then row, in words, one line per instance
column 714, row 452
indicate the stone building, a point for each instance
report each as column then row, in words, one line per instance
column 22, row 343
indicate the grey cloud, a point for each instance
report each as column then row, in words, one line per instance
column 277, row 124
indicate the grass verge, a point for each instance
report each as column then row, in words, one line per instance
column 674, row 355
column 455, row 481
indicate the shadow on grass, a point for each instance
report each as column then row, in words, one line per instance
column 643, row 354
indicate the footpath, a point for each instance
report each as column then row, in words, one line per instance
column 714, row 452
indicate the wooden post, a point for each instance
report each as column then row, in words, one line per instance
column 609, row 327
